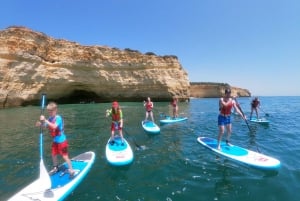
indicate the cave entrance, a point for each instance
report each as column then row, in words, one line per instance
column 80, row 96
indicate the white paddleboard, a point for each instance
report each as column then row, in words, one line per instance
column 260, row 120
column 169, row 119
column 61, row 183
column 150, row 127
column 119, row 153
column 241, row 155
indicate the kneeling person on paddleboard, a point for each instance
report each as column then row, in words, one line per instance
column 55, row 125
column 225, row 105
column 117, row 120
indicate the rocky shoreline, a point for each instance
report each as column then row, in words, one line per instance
column 32, row 63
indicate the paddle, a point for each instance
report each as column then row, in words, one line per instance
column 162, row 115
column 264, row 112
column 238, row 105
column 44, row 176
column 133, row 139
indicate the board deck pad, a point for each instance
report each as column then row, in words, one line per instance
column 233, row 150
column 62, row 176
column 118, row 145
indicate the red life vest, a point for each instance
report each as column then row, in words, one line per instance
column 149, row 106
column 226, row 110
column 174, row 103
column 54, row 131
column 116, row 116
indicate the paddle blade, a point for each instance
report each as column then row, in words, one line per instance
column 44, row 176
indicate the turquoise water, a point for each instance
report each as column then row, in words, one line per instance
column 168, row 166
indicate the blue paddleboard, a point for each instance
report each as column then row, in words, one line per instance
column 61, row 182
column 241, row 155
column 119, row 153
column 169, row 120
column 150, row 127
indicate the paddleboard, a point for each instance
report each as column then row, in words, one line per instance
column 169, row 119
column 241, row 155
column 61, row 182
column 150, row 127
column 260, row 120
column 119, row 153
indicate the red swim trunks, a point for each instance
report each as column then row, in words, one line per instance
column 60, row 148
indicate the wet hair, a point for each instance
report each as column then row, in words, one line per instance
column 52, row 106
column 227, row 91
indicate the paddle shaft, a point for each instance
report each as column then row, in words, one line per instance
column 238, row 105
column 41, row 127
column 264, row 111
column 138, row 146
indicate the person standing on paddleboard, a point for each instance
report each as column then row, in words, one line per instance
column 174, row 105
column 254, row 106
column 149, row 107
column 117, row 120
column 55, row 125
column 225, row 105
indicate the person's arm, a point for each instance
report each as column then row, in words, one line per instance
column 50, row 124
column 223, row 103
column 239, row 110
column 108, row 112
column 45, row 122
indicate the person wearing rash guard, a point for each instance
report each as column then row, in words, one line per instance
column 148, row 106
column 225, row 105
column 254, row 105
column 55, row 125
column 174, row 104
column 117, row 120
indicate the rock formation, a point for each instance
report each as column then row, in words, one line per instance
column 213, row 90
column 32, row 63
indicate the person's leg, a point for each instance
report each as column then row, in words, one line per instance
column 256, row 112
column 63, row 151
column 54, row 152
column 228, row 129
column 68, row 161
column 221, row 132
column 146, row 118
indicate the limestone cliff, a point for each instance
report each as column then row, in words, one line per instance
column 213, row 90
column 32, row 63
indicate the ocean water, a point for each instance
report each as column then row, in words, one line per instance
column 169, row 166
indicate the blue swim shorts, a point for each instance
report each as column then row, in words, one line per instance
column 224, row 120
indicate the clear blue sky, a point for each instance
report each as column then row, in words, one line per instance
column 252, row 44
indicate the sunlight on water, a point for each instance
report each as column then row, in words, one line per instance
column 169, row 166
